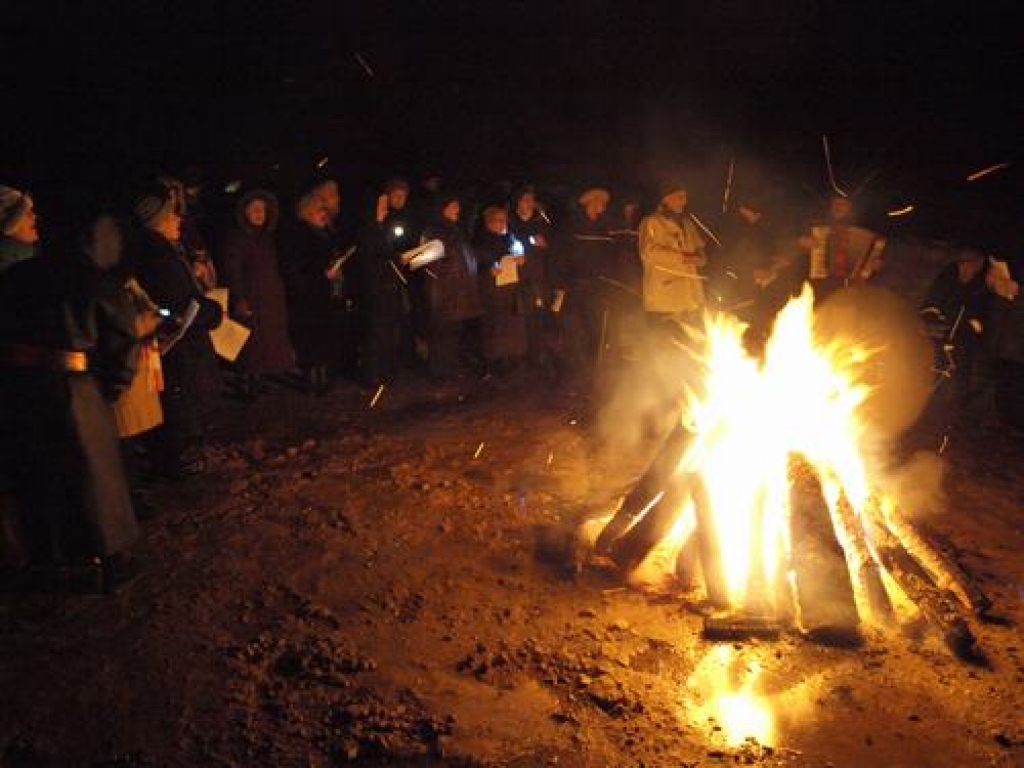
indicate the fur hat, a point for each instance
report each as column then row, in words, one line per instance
column 153, row 206
column 670, row 186
column 594, row 194
column 14, row 205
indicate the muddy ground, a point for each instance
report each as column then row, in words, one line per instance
column 368, row 586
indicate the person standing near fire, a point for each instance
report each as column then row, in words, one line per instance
column 840, row 254
column 527, row 225
column 385, row 283
column 672, row 252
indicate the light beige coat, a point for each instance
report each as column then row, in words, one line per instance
column 670, row 253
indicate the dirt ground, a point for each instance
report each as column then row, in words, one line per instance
column 392, row 586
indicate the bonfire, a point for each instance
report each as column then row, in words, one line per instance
column 763, row 494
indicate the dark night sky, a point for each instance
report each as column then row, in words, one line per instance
column 596, row 90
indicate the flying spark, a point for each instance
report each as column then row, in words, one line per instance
column 376, row 397
column 901, row 211
column 479, row 450
column 362, row 62
column 828, row 164
column 728, row 184
column 986, row 171
column 707, row 231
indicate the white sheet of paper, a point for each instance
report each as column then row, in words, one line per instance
column 228, row 339
column 508, row 271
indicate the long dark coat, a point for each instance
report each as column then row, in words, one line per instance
column 533, row 275
column 451, row 287
column 165, row 274
column 504, row 323
column 253, row 276
column 305, row 254
column 59, row 448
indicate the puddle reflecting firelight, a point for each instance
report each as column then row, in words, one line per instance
column 725, row 692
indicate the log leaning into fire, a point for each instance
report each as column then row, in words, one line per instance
column 644, row 495
column 824, row 592
column 944, row 571
column 709, row 544
column 633, row 546
column 939, row 606
column 868, row 587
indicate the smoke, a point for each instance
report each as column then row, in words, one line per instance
column 644, row 397
column 917, row 484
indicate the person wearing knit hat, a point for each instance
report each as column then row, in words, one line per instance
column 669, row 186
column 153, row 209
column 18, row 232
column 671, row 251
column 191, row 374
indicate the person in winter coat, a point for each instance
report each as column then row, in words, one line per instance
column 527, row 225
column 385, row 284
column 256, row 290
column 672, row 251
column 18, row 233
column 958, row 303
column 191, row 375
column 504, row 322
column 451, row 290
column 67, row 349
column 307, row 254
column 591, row 260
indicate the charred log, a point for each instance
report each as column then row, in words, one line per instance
column 945, row 572
column 630, row 549
column 741, row 627
column 643, row 496
column 824, row 592
column 939, row 606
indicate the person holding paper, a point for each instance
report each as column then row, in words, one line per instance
column 191, row 375
column 452, row 293
column 385, row 283
column 504, row 323
column 256, row 289
column 528, row 226
column 307, row 254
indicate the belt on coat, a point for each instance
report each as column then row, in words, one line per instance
column 45, row 358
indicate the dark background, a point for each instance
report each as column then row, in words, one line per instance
column 98, row 93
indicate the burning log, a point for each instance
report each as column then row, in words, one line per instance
column 708, row 545
column 864, row 571
column 741, row 627
column 630, row 549
column 824, row 592
column 644, row 494
column 943, row 570
column 939, row 606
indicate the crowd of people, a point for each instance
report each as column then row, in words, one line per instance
column 109, row 369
